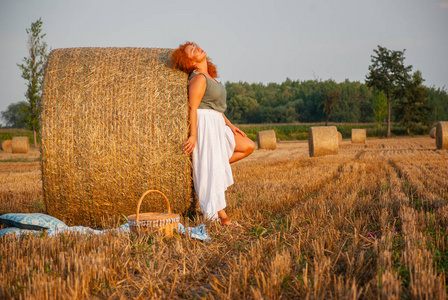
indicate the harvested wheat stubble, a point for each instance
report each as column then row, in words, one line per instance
column 442, row 135
column 20, row 144
column 113, row 122
column 266, row 139
column 432, row 132
column 323, row 140
column 6, row 145
column 359, row 136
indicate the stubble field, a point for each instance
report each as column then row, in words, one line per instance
column 368, row 223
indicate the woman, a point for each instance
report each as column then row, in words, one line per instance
column 214, row 141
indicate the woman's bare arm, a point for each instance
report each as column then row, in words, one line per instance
column 234, row 129
column 196, row 90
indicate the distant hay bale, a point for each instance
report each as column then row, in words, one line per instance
column 20, row 144
column 442, row 135
column 266, row 139
column 6, row 145
column 432, row 132
column 339, row 137
column 323, row 140
column 113, row 123
column 359, row 136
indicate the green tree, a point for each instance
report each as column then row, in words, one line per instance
column 380, row 107
column 330, row 101
column 16, row 115
column 366, row 106
column 33, row 72
column 239, row 107
column 311, row 94
column 412, row 109
column 388, row 74
column 438, row 102
column 350, row 104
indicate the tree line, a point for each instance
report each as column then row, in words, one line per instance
column 302, row 101
column 391, row 93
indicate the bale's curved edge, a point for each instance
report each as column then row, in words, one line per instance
column 6, row 145
column 432, row 132
column 112, row 124
column 442, row 135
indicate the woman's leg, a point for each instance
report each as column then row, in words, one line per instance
column 243, row 147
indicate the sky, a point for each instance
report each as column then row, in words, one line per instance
column 255, row 41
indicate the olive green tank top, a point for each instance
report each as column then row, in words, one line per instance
column 214, row 96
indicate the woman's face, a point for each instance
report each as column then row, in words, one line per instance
column 195, row 53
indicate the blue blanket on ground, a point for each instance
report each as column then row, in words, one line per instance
column 34, row 223
column 199, row 232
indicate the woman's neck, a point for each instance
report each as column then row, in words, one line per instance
column 202, row 67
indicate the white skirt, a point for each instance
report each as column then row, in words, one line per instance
column 212, row 174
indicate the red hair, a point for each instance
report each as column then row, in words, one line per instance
column 181, row 61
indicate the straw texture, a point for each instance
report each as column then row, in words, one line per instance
column 6, row 145
column 442, row 135
column 113, row 123
column 20, row 144
column 339, row 137
column 323, row 140
column 359, row 136
column 432, row 132
column 266, row 139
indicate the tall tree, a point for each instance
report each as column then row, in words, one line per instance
column 388, row 73
column 331, row 100
column 412, row 109
column 379, row 107
column 33, row 72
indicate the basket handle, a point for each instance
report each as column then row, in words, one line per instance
column 143, row 196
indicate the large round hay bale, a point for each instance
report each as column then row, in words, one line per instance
column 323, row 140
column 432, row 132
column 442, row 135
column 113, row 123
column 20, row 144
column 359, row 136
column 6, row 145
column 339, row 137
column 266, row 139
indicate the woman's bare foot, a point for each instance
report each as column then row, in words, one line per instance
column 226, row 222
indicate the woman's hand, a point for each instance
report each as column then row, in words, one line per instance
column 189, row 144
column 232, row 127
column 236, row 130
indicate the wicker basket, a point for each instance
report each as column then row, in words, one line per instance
column 165, row 222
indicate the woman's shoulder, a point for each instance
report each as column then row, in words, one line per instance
column 207, row 78
column 193, row 74
column 193, row 79
column 197, row 82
